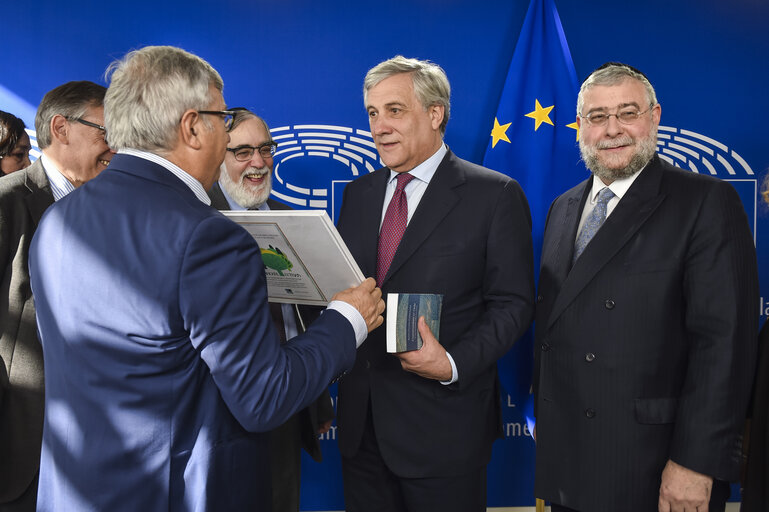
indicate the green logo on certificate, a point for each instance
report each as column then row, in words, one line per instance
column 275, row 259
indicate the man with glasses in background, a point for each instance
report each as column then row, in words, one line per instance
column 646, row 322
column 162, row 364
column 245, row 183
column 71, row 137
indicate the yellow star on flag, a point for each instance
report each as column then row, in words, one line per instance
column 574, row 126
column 540, row 115
column 499, row 132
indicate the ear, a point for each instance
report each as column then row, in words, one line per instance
column 579, row 123
column 656, row 114
column 190, row 129
column 60, row 129
column 436, row 115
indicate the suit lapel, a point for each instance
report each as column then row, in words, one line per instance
column 560, row 252
column 635, row 208
column 436, row 203
column 40, row 196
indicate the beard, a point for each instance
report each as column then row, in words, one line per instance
column 244, row 194
column 646, row 149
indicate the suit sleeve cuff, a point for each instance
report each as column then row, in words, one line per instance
column 454, row 374
column 354, row 317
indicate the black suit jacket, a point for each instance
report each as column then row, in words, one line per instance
column 755, row 497
column 24, row 196
column 645, row 347
column 322, row 409
column 470, row 240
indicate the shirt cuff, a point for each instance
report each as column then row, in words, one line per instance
column 352, row 315
column 454, row 374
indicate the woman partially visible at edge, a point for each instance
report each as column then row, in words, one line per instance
column 14, row 144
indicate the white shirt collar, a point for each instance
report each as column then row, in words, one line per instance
column 426, row 170
column 60, row 185
column 618, row 187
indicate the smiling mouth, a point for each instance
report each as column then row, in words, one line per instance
column 255, row 176
column 105, row 163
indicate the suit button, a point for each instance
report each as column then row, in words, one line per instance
column 545, row 346
column 590, row 413
column 589, row 357
column 539, row 298
column 368, row 364
column 609, row 304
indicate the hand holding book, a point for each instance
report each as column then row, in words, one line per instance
column 430, row 361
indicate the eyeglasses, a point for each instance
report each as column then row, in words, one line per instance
column 88, row 123
column 227, row 115
column 245, row 153
column 92, row 125
column 627, row 115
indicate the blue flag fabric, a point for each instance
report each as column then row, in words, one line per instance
column 534, row 140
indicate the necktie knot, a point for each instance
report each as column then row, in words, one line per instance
column 403, row 179
column 603, row 198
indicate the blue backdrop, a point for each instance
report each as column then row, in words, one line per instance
column 300, row 64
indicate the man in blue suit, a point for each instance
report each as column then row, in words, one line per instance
column 161, row 362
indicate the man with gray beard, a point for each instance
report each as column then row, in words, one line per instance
column 645, row 322
column 245, row 183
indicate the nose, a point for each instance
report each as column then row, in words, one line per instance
column 257, row 161
column 614, row 127
column 379, row 125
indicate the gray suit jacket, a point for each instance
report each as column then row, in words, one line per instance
column 24, row 196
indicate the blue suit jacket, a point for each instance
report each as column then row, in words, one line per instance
column 161, row 361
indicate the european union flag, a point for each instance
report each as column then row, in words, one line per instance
column 534, row 140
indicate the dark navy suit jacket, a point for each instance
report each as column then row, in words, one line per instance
column 646, row 345
column 161, row 360
column 469, row 240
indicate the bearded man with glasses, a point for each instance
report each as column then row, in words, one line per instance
column 245, row 183
column 646, row 321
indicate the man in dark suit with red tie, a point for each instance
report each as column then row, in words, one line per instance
column 245, row 183
column 416, row 428
column 646, row 320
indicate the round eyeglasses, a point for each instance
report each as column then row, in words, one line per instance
column 628, row 115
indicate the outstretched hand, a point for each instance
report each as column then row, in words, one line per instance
column 367, row 299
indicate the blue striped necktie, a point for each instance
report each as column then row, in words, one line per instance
column 593, row 222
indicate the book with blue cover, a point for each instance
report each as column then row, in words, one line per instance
column 403, row 312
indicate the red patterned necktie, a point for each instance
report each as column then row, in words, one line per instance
column 393, row 226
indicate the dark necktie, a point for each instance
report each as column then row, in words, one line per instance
column 593, row 222
column 393, row 226
column 276, row 312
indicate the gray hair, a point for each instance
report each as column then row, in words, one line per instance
column 70, row 100
column 614, row 73
column 244, row 115
column 431, row 85
column 149, row 91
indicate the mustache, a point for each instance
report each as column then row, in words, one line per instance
column 626, row 140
